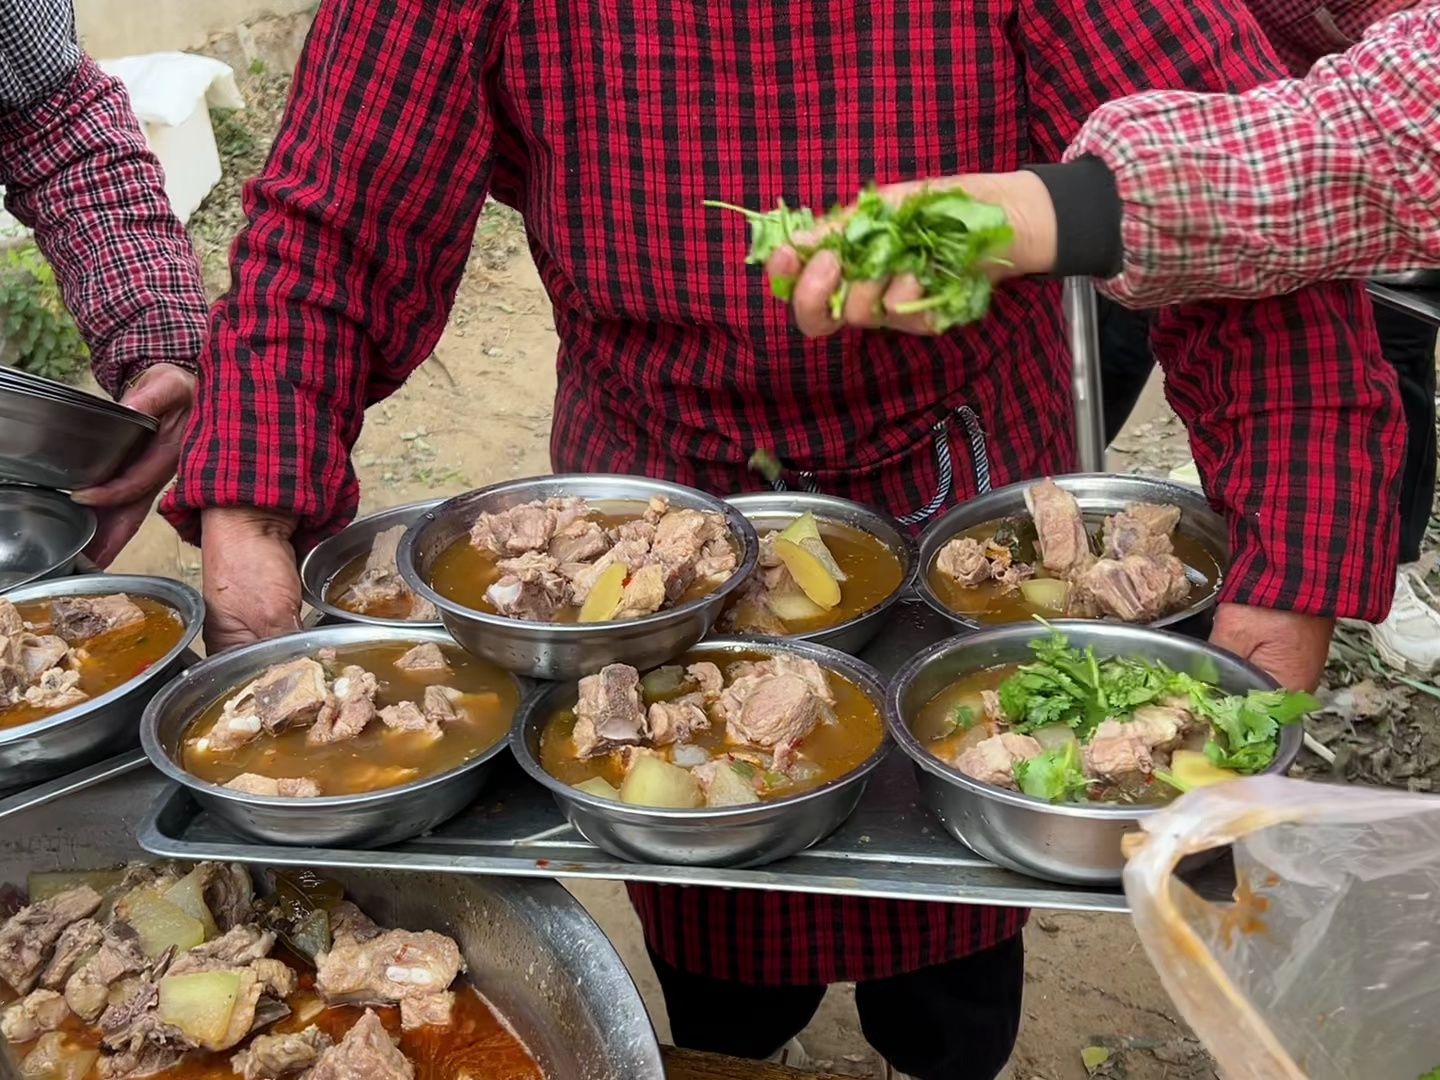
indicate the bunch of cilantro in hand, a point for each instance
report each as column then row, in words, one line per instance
column 943, row 238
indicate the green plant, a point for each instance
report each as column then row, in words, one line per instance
column 37, row 334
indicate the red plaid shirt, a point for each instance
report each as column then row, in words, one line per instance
column 606, row 124
column 1302, row 31
column 76, row 169
column 1333, row 175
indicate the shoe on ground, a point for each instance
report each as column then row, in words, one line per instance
column 891, row 1073
column 792, row 1054
column 1409, row 638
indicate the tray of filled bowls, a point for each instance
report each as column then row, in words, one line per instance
column 759, row 755
column 113, row 967
column 80, row 657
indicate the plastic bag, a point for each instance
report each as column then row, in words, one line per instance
column 1326, row 966
column 165, row 88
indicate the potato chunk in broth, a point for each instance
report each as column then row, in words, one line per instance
column 543, row 560
column 384, row 753
column 727, row 751
column 773, row 602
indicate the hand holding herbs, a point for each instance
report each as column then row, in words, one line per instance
column 938, row 243
column 1072, row 727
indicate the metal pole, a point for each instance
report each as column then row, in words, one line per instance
column 1084, row 327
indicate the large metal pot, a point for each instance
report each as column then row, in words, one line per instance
column 748, row 835
column 776, row 509
column 104, row 725
column 1065, row 843
column 368, row 820
column 330, row 557
column 1099, row 495
column 530, row 948
column 568, row 650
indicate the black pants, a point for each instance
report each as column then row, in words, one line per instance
column 1406, row 342
column 953, row 1021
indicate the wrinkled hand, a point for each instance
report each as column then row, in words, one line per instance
column 121, row 504
column 252, row 586
column 872, row 304
column 1290, row 646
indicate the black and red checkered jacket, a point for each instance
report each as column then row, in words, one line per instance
column 606, row 123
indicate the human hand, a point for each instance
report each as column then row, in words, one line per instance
column 873, row 304
column 122, row 503
column 1290, row 646
column 252, row 586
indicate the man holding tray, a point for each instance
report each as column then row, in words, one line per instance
column 607, row 125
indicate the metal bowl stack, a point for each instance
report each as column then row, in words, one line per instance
column 107, row 724
column 749, row 835
column 1099, row 495
column 331, row 557
column 55, row 436
column 546, row 650
column 42, row 533
column 369, row 819
column 776, row 509
column 1077, row 843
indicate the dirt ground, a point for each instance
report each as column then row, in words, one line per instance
column 479, row 411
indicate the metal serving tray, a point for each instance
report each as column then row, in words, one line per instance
column 891, row 847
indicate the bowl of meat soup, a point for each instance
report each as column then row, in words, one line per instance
column 861, row 563
column 353, row 576
column 556, row 576
column 291, row 972
column 741, row 752
column 353, row 736
column 79, row 659
column 42, row 533
column 1009, row 776
column 1124, row 548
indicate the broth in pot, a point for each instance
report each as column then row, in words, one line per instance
column 352, row 720
column 568, row 560
column 827, row 573
column 57, row 654
column 711, row 730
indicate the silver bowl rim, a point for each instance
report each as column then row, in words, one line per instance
column 86, row 404
column 316, row 557
column 186, row 602
column 87, row 531
column 900, row 731
column 538, row 706
column 760, row 504
column 313, row 640
column 941, row 530
column 740, row 528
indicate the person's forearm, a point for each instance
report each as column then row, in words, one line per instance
column 1335, row 175
column 77, row 170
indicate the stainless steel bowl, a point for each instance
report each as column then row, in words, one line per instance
column 529, row 947
column 41, row 534
column 1099, row 495
column 104, row 725
column 372, row 819
column 66, row 443
column 1410, row 279
column 1065, row 843
column 330, row 557
column 710, row 836
column 768, row 510
column 568, row 650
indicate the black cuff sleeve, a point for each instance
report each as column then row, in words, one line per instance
column 1087, row 217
